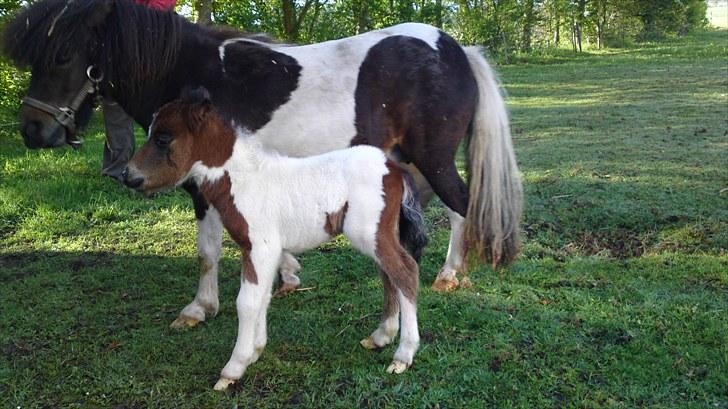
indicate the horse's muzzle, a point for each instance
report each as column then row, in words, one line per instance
column 37, row 136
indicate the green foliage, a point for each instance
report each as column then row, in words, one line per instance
column 618, row 300
column 13, row 84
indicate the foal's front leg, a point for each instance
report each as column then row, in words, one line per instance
column 252, row 305
column 209, row 244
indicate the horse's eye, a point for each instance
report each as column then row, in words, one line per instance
column 64, row 57
column 162, row 139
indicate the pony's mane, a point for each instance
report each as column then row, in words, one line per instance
column 147, row 41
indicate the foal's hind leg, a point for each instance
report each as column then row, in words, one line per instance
column 289, row 280
column 389, row 322
column 403, row 274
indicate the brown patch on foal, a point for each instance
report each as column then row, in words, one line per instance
column 397, row 264
column 219, row 194
column 335, row 220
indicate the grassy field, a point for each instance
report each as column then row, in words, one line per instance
column 620, row 298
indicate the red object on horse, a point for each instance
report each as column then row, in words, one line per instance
column 158, row 4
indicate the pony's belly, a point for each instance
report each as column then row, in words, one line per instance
column 305, row 240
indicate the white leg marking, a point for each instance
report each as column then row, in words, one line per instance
column 252, row 303
column 384, row 334
column 288, row 269
column 409, row 339
column 447, row 277
column 209, row 244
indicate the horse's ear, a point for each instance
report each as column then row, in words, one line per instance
column 98, row 16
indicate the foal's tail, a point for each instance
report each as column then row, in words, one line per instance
column 412, row 233
column 494, row 208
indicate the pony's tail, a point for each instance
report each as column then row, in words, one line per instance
column 496, row 195
column 412, row 232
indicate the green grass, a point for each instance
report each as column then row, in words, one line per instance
column 620, row 298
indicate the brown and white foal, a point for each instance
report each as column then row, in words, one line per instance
column 274, row 205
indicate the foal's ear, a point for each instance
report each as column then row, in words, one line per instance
column 101, row 10
column 199, row 106
column 195, row 95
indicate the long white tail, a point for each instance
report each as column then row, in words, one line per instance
column 496, row 194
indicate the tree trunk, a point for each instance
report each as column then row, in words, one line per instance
column 528, row 17
column 203, row 8
column 362, row 16
column 438, row 13
column 292, row 18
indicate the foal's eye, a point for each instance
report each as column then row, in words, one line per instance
column 162, row 139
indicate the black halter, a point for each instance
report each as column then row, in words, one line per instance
column 66, row 116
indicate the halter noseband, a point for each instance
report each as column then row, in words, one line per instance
column 66, row 116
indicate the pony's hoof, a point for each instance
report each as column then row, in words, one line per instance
column 285, row 289
column 397, row 367
column 368, row 343
column 223, row 383
column 445, row 284
column 466, row 283
column 184, row 322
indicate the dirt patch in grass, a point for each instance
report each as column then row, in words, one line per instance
column 620, row 244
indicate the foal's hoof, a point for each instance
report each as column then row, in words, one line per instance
column 184, row 322
column 285, row 289
column 397, row 367
column 368, row 343
column 223, row 383
column 445, row 284
column 466, row 283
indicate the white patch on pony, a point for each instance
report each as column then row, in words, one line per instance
column 454, row 259
column 151, row 125
column 424, row 32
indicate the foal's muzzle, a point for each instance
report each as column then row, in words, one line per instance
column 132, row 182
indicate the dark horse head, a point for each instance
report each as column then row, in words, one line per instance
column 69, row 46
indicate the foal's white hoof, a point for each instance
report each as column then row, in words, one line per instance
column 397, row 367
column 285, row 289
column 184, row 322
column 368, row 343
column 223, row 383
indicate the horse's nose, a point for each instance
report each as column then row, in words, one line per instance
column 132, row 183
column 31, row 135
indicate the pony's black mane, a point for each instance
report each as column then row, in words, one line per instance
column 134, row 46
column 150, row 39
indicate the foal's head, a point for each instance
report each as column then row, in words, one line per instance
column 184, row 132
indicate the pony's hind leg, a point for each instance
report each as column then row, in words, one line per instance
column 389, row 322
column 209, row 244
column 447, row 277
column 289, row 279
column 451, row 189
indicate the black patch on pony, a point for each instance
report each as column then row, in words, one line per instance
column 263, row 79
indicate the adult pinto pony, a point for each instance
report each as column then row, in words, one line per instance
column 409, row 89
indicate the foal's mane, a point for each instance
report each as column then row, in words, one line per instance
column 134, row 45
